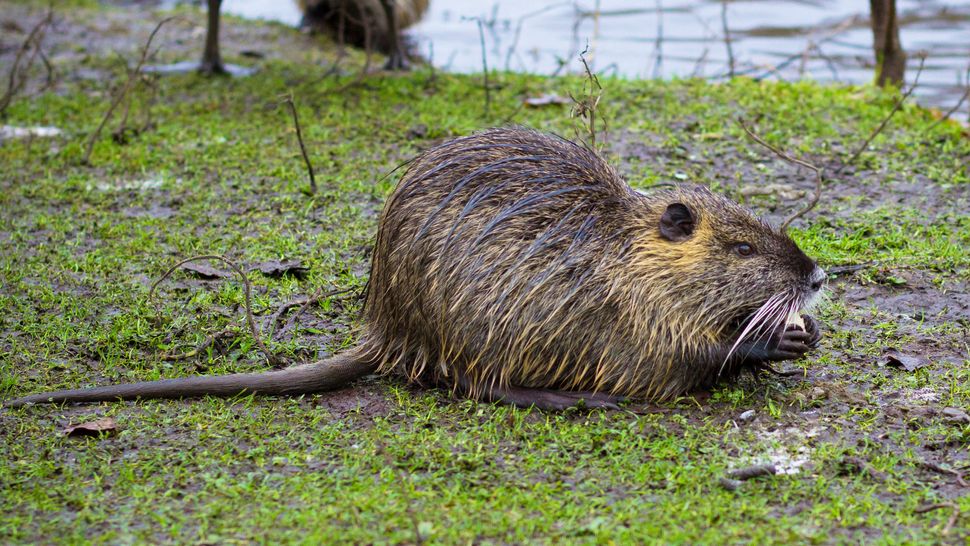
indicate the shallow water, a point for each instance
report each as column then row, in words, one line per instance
column 827, row 40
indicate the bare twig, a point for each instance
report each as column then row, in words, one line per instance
column 727, row 38
column 658, row 45
column 209, row 340
column 125, row 89
column 312, row 300
column 270, row 357
column 943, row 470
column 288, row 99
column 858, row 465
column 586, row 107
column 899, row 104
column 485, row 84
column 513, row 48
column 955, row 513
column 951, row 111
column 18, row 74
column 794, row 161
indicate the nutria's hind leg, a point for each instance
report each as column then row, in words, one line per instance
column 545, row 399
column 553, row 400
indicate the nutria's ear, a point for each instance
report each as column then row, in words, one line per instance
column 677, row 223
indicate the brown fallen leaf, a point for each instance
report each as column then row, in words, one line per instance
column 204, row 271
column 546, row 100
column 98, row 427
column 276, row 268
column 910, row 363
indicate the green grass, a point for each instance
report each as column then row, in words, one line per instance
column 221, row 173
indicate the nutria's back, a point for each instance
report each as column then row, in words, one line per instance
column 514, row 258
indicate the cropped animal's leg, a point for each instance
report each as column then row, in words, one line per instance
column 552, row 399
column 546, row 399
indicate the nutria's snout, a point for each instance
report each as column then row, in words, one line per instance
column 817, row 279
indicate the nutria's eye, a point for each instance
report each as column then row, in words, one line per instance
column 744, row 250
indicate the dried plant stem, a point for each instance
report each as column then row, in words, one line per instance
column 123, row 92
column 727, row 38
column 18, row 74
column 794, row 161
column 586, row 106
column 485, row 84
column 951, row 111
column 299, row 137
column 270, row 357
column 954, row 514
column 881, row 126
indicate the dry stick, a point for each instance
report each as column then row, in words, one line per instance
column 953, row 516
column 368, row 53
column 727, row 38
column 317, row 296
column 586, row 107
column 18, row 74
column 488, row 92
column 943, row 470
column 124, row 90
column 299, row 137
column 209, row 340
column 658, row 46
column 270, row 357
column 513, row 48
column 951, row 111
column 896, row 107
column 794, row 161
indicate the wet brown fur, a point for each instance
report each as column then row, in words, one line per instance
column 362, row 23
column 511, row 259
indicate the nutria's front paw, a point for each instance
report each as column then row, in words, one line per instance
column 792, row 344
column 813, row 328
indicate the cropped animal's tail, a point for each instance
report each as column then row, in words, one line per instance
column 322, row 375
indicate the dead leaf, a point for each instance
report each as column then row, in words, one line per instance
column 98, row 427
column 204, row 271
column 276, row 268
column 909, row 363
column 546, row 100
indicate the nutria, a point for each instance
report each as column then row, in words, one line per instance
column 519, row 267
column 369, row 24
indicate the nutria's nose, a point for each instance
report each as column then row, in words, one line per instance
column 817, row 279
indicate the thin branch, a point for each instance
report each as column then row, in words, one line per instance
column 18, row 75
column 129, row 83
column 316, row 298
column 896, row 107
column 288, row 99
column 727, row 38
column 951, row 111
column 794, row 161
column 270, row 357
column 485, row 84
column 955, row 513
column 209, row 340
column 586, row 107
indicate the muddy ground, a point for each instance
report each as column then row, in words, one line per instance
column 879, row 409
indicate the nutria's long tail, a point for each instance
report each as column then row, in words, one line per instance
column 322, row 375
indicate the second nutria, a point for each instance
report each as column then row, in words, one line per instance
column 370, row 24
column 516, row 266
